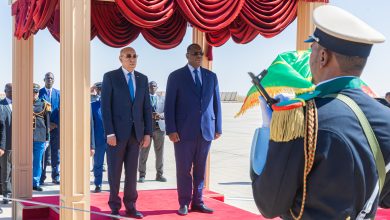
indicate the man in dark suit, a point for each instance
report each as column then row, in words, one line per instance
column 127, row 121
column 193, row 119
column 5, row 143
column 52, row 96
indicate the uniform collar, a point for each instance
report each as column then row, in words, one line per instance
column 337, row 84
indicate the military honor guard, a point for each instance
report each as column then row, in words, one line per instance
column 327, row 152
column 41, row 134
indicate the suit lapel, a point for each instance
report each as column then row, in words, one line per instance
column 205, row 82
column 189, row 80
column 138, row 85
column 120, row 77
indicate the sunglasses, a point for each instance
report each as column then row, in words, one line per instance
column 197, row 54
column 128, row 56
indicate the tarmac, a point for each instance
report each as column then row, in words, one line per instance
column 229, row 167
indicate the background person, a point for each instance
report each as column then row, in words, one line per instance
column 158, row 136
column 41, row 134
column 98, row 140
column 6, row 143
column 52, row 153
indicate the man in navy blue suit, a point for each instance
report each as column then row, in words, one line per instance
column 193, row 119
column 127, row 121
column 52, row 96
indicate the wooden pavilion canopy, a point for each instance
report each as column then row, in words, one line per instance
column 117, row 23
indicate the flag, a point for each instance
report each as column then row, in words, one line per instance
column 289, row 72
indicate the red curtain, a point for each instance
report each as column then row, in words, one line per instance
column 210, row 15
column 168, row 35
column 163, row 23
column 146, row 13
column 112, row 27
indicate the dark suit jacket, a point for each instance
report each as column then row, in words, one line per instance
column 119, row 113
column 55, row 104
column 188, row 112
column 6, row 128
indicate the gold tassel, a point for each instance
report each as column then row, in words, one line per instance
column 287, row 125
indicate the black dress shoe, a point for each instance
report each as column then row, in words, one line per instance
column 201, row 208
column 56, row 182
column 114, row 212
column 183, row 210
column 37, row 188
column 5, row 201
column 141, row 179
column 161, row 178
column 98, row 189
column 134, row 213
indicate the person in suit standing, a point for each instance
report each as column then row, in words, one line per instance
column 193, row 119
column 6, row 143
column 52, row 96
column 157, row 102
column 98, row 140
column 41, row 134
column 127, row 122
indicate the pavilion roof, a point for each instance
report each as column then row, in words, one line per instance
column 163, row 23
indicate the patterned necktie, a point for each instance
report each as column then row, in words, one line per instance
column 153, row 101
column 198, row 85
column 131, row 87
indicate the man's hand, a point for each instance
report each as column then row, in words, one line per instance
column 174, row 137
column 111, row 141
column 1, row 152
column 216, row 136
column 92, row 152
column 145, row 141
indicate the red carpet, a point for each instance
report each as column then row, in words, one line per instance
column 156, row 204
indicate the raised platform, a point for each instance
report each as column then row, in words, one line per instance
column 154, row 204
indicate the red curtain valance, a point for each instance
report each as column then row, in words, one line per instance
column 163, row 23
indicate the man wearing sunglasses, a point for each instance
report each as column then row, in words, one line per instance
column 193, row 119
column 127, row 122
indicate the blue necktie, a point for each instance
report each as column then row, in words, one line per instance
column 49, row 96
column 131, row 87
column 198, row 85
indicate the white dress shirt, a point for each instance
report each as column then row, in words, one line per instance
column 9, row 103
column 193, row 74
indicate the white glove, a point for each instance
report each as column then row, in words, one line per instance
column 266, row 113
column 46, row 144
column 282, row 97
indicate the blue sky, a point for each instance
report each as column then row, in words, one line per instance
column 231, row 61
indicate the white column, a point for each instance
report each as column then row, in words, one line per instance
column 22, row 99
column 75, row 107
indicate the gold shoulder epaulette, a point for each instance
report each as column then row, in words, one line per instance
column 47, row 106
